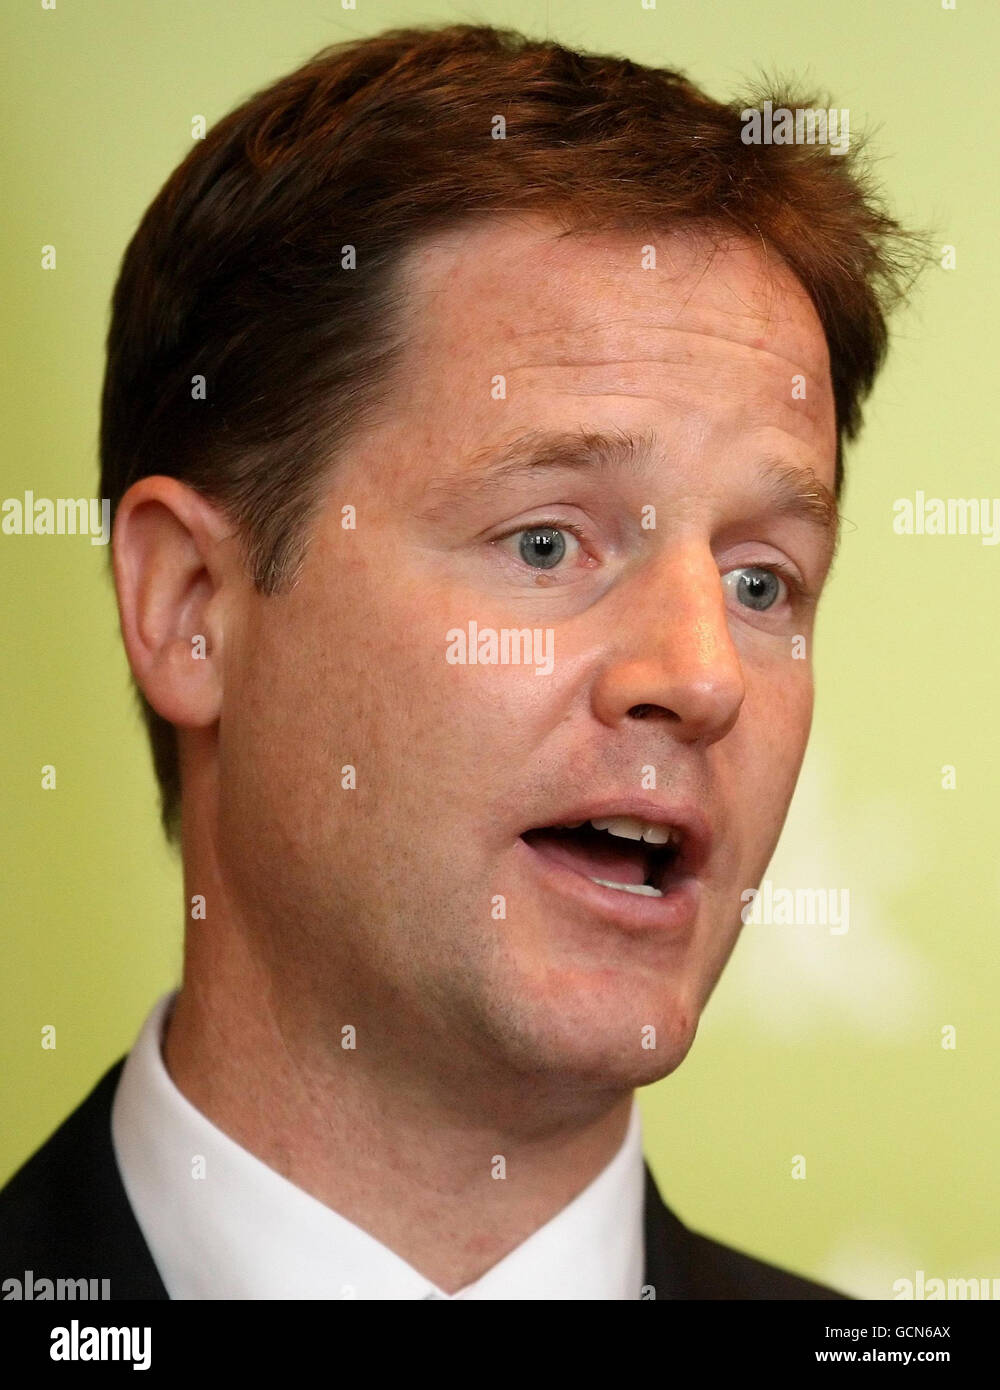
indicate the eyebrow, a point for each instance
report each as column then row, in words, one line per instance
column 786, row 489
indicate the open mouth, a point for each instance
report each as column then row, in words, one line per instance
column 619, row 852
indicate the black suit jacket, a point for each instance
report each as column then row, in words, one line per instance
column 65, row 1215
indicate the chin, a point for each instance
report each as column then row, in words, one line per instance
column 616, row 1066
column 616, row 1036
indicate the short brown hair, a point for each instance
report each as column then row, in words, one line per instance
column 240, row 271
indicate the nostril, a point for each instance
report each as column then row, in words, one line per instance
column 645, row 711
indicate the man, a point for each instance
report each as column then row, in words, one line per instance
column 473, row 423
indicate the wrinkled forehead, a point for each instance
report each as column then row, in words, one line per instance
column 517, row 281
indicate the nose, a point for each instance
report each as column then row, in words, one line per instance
column 673, row 657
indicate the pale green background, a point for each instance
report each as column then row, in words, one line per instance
column 825, row 1046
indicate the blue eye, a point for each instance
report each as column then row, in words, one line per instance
column 755, row 587
column 542, row 547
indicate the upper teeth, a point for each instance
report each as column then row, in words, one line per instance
column 630, row 828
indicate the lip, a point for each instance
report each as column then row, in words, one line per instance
column 673, row 914
column 683, row 815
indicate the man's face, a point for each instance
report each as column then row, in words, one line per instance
column 671, row 681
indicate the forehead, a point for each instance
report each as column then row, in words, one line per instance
column 691, row 331
column 515, row 281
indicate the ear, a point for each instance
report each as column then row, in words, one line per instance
column 176, row 568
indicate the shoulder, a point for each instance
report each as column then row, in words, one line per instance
column 65, row 1214
column 681, row 1264
column 43, row 1195
column 719, row 1271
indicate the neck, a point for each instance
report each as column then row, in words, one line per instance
column 349, row 1125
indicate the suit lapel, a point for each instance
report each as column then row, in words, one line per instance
column 667, row 1248
column 66, row 1212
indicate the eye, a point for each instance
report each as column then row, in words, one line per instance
column 756, row 587
column 543, row 547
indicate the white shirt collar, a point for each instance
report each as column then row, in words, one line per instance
column 242, row 1231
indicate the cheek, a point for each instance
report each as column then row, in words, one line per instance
column 365, row 681
column 776, row 719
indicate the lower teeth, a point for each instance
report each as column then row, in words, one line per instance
column 646, row 889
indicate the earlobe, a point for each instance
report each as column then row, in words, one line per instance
column 172, row 567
